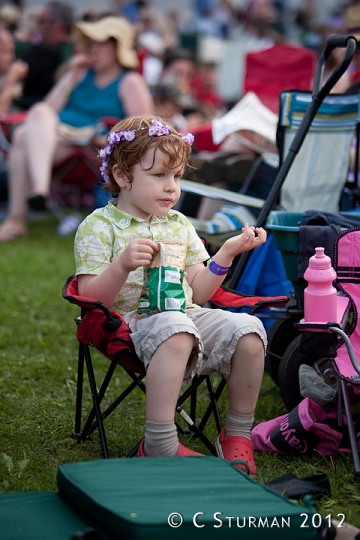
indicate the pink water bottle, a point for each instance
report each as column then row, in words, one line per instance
column 320, row 304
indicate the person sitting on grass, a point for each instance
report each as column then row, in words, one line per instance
column 143, row 163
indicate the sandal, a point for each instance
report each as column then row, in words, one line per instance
column 182, row 450
column 10, row 232
column 234, row 448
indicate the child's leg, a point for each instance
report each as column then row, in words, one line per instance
column 164, row 378
column 234, row 346
column 168, row 344
column 247, row 369
column 165, row 375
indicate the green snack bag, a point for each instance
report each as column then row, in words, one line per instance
column 163, row 286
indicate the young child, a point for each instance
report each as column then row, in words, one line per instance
column 143, row 164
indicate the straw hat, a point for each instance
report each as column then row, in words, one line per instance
column 10, row 14
column 110, row 27
column 352, row 21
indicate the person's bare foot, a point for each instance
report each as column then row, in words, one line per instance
column 11, row 230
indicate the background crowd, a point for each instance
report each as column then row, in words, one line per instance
column 187, row 71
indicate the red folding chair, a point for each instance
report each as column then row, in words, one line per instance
column 75, row 178
column 281, row 67
column 107, row 331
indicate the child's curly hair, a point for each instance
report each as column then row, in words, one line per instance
column 127, row 153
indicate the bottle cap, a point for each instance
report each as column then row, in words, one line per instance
column 320, row 260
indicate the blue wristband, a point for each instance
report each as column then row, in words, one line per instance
column 217, row 269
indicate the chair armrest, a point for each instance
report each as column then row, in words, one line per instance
column 225, row 195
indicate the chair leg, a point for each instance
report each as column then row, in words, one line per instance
column 96, row 402
column 89, row 425
column 97, row 396
column 79, row 392
column 352, row 436
column 194, row 429
column 96, row 417
column 213, row 405
column 137, row 382
column 340, row 399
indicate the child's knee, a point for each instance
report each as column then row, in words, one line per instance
column 181, row 342
column 251, row 345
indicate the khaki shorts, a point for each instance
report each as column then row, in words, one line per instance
column 217, row 333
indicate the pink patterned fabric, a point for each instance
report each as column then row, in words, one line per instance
column 308, row 428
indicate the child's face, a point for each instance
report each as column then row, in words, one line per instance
column 153, row 191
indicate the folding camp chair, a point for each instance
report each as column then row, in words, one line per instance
column 107, row 331
column 336, row 340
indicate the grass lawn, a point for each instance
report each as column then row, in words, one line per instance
column 38, row 352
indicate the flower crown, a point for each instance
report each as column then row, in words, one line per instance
column 157, row 129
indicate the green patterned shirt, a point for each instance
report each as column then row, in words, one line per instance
column 105, row 233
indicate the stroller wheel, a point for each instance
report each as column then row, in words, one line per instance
column 288, row 374
column 280, row 335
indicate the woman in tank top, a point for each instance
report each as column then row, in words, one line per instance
column 101, row 81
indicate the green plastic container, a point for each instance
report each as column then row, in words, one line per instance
column 285, row 229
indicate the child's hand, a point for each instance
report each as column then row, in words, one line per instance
column 139, row 252
column 250, row 238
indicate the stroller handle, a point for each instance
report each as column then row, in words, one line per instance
column 347, row 42
column 337, row 41
column 319, row 93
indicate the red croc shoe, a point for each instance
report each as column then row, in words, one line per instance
column 182, row 451
column 236, row 448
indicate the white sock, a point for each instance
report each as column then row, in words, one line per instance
column 239, row 424
column 160, row 439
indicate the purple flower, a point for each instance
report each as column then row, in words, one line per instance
column 115, row 137
column 189, row 138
